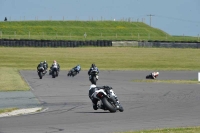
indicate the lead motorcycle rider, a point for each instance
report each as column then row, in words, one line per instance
column 93, row 91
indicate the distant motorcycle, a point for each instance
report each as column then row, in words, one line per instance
column 41, row 72
column 152, row 75
column 74, row 71
column 108, row 100
column 93, row 77
column 54, row 71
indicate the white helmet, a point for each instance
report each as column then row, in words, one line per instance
column 92, row 86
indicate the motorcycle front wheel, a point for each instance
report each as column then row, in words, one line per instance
column 94, row 80
column 108, row 105
column 40, row 75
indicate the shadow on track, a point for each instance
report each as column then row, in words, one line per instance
column 92, row 112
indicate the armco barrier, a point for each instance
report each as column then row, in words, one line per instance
column 169, row 44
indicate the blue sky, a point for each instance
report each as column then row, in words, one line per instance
column 176, row 17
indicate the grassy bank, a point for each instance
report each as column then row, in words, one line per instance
column 94, row 30
column 110, row 58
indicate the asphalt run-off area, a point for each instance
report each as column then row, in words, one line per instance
column 68, row 108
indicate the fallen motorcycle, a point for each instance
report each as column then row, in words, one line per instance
column 152, row 75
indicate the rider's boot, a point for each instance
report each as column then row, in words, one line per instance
column 95, row 106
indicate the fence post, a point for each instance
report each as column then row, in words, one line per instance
column 85, row 35
column 15, row 34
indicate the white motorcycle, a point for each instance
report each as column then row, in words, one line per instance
column 108, row 100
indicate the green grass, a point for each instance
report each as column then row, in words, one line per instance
column 6, row 110
column 168, row 81
column 95, row 30
column 11, row 80
column 109, row 58
column 170, row 130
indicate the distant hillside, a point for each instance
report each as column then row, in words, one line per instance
column 81, row 30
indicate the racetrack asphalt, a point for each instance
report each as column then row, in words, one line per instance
column 146, row 105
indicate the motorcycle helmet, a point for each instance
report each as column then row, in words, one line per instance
column 93, row 65
column 92, row 86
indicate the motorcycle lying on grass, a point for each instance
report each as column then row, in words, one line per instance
column 108, row 100
column 93, row 77
column 152, row 75
column 41, row 72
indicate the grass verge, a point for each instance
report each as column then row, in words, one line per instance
column 7, row 110
column 168, row 81
column 11, row 80
column 106, row 58
column 170, row 130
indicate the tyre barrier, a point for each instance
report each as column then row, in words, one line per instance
column 49, row 43
column 98, row 43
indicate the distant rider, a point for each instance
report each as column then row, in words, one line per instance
column 93, row 92
column 77, row 68
column 93, row 68
column 45, row 65
column 55, row 64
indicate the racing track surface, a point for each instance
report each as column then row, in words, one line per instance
column 146, row 105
